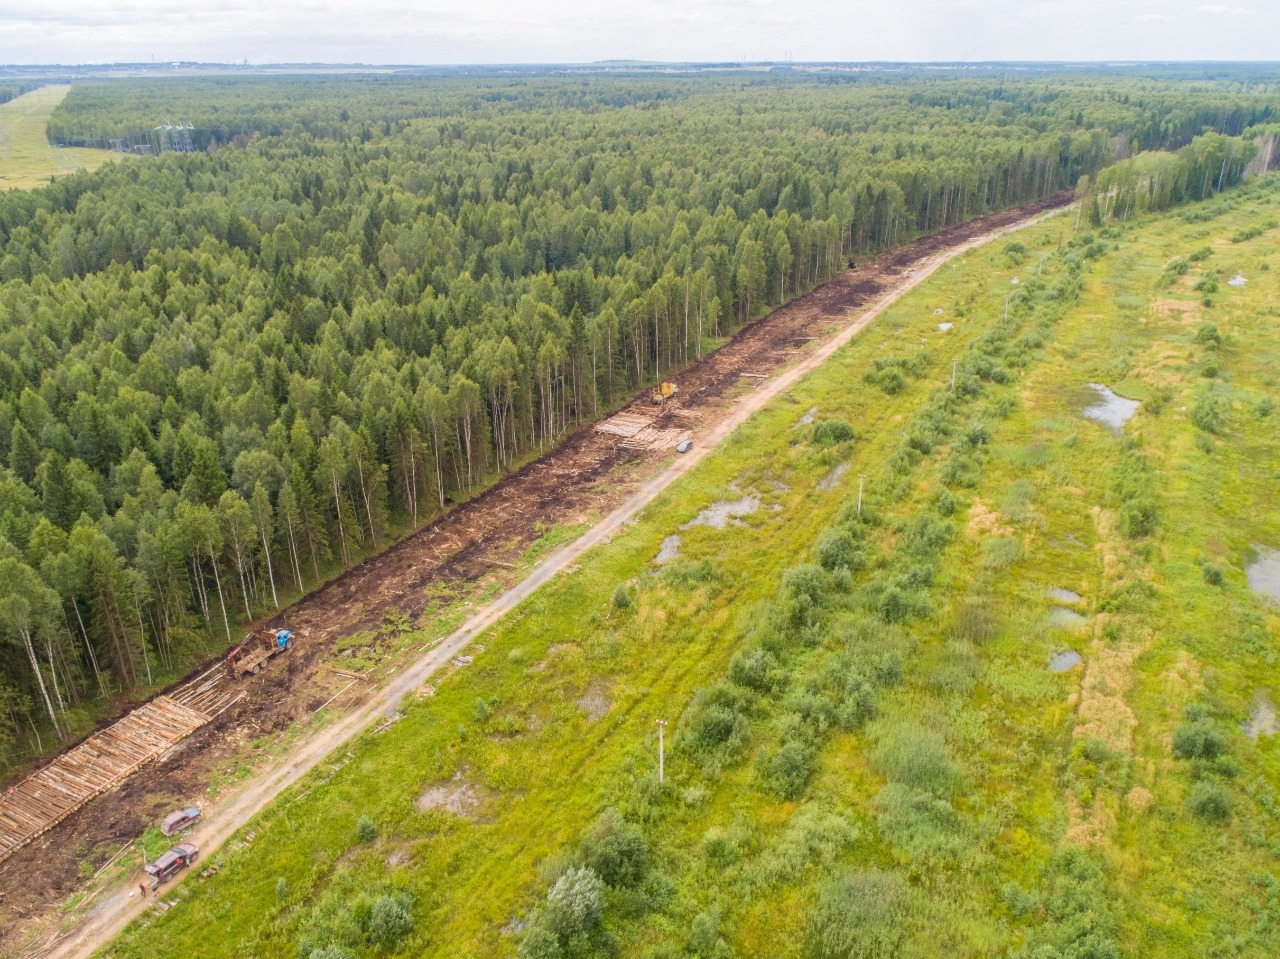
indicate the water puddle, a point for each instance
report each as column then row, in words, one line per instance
column 1263, row 573
column 717, row 515
column 670, row 550
column 832, row 479
column 1060, row 595
column 1237, row 280
column 1110, row 410
column 1065, row 661
column 1066, row 618
column 809, row 414
column 944, row 327
column 1262, row 719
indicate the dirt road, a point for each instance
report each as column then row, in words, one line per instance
column 589, row 472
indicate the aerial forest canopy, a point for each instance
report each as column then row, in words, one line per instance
column 227, row 374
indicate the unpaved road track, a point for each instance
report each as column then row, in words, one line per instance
column 587, row 473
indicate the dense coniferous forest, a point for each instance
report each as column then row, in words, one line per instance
column 225, row 375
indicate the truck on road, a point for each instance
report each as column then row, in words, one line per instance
column 256, row 649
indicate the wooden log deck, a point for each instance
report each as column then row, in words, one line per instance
column 98, row 764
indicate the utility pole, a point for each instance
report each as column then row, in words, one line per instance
column 662, row 724
column 953, row 375
column 859, row 496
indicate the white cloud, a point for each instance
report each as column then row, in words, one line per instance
column 517, row 31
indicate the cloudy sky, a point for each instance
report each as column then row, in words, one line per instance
column 557, row 31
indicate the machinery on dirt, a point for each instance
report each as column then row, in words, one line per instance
column 663, row 393
column 255, row 649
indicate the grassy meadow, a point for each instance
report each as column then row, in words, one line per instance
column 26, row 157
column 867, row 754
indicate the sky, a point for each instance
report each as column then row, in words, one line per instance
column 581, row 31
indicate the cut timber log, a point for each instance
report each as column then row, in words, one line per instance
column 101, row 762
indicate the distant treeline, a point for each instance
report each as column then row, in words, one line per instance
column 10, row 89
column 1157, row 181
column 224, row 375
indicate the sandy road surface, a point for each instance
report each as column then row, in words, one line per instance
column 564, row 483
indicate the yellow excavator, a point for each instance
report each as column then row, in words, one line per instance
column 663, row 393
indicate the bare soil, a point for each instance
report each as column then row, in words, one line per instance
column 587, row 475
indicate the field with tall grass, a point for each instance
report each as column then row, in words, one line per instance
column 27, row 159
column 867, row 751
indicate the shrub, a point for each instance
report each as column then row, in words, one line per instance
column 540, row 943
column 574, row 905
column 366, row 831
column 1207, row 285
column 331, row 951
column 925, row 535
column 831, row 432
column 1208, row 415
column 622, row 597
column 616, row 850
column 859, row 914
column 945, row 503
column 1207, row 333
column 858, row 706
column 977, row 434
column 1210, row 801
column 801, row 596
column 390, row 920
column 755, row 669
column 705, row 941
column 282, row 888
column 715, row 728
column 837, row 549
column 786, row 771
column 1199, row 739
column 1264, row 408
column 1212, row 574
column 917, row 758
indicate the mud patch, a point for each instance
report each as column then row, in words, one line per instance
column 595, row 702
column 669, row 550
column 832, row 479
column 1263, row 573
column 717, row 515
column 1262, row 719
column 1109, row 409
column 1060, row 595
column 1065, row 661
column 456, row 797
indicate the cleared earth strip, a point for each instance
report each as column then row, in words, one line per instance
column 99, row 929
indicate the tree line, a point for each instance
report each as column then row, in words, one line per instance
column 225, row 375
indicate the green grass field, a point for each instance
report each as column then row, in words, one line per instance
column 867, row 755
column 26, row 157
